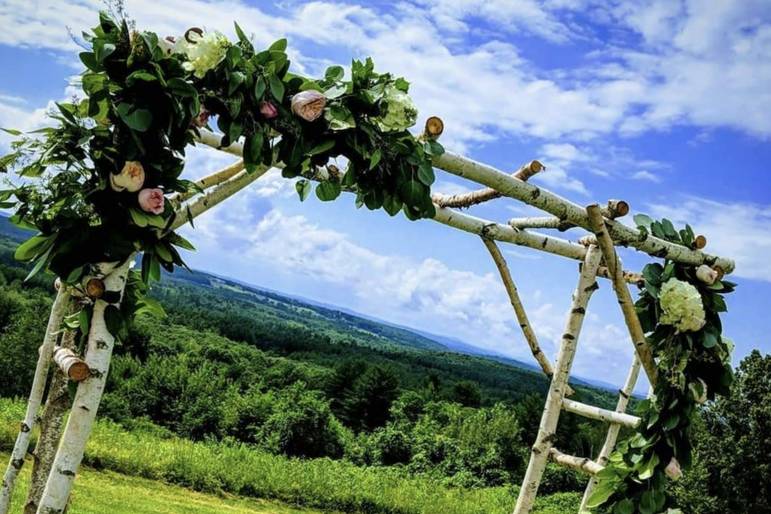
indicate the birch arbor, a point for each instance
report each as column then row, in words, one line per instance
column 117, row 157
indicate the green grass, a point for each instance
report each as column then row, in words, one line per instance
column 241, row 470
column 99, row 492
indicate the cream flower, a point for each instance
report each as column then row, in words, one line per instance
column 681, row 305
column 203, row 52
column 400, row 112
column 309, row 105
column 130, row 178
column 673, row 470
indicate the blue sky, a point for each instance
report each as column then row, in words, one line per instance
column 662, row 103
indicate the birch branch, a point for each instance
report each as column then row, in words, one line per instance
column 209, row 181
column 21, row 445
column 614, row 209
column 600, row 414
column 519, row 309
column 87, row 398
column 71, row 364
column 574, row 213
column 465, row 200
column 624, row 394
column 587, row 284
column 578, row 463
column 644, row 352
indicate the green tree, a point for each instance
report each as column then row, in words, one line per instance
column 466, row 393
column 368, row 403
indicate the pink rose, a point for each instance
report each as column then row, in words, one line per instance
column 130, row 178
column 309, row 105
column 673, row 470
column 151, row 200
column 268, row 110
column 202, row 119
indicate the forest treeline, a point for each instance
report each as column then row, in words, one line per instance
column 228, row 363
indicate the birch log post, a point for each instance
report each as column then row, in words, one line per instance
column 51, row 425
column 644, row 352
column 587, row 284
column 572, row 212
column 87, row 398
column 519, row 309
column 209, row 181
column 612, row 436
column 58, row 310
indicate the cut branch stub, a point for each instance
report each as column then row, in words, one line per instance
column 617, row 209
column 95, row 287
column 706, row 274
column 71, row 364
column 434, row 128
column 699, row 242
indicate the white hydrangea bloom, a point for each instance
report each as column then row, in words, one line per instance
column 400, row 112
column 681, row 305
column 204, row 52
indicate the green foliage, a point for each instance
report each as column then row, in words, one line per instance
column 732, row 443
column 692, row 364
column 143, row 105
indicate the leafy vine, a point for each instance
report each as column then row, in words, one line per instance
column 679, row 308
column 99, row 178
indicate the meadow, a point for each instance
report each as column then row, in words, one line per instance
column 221, row 468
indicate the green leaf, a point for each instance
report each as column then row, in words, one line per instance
column 138, row 217
column 625, row 506
column 41, row 262
column 374, row 159
column 334, row 73
column 33, row 247
column 241, row 36
column 236, row 79
column 642, row 220
column 139, row 75
column 604, row 490
column 180, row 241
column 303, row 188
column 647, row 469
column 259, row 88
column 181, row 87
column 412, row 192
column 113, row 319
column 426, row 174
column 321, row 147
column 137, row 119
column 335, row 92
column 12, row 132
column 163, row 252
column 327, row 191
column 279, row 45
column 233, row 56
column 89, row 60
column 276, row 87
column 647, row 503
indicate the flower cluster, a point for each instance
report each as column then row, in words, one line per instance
column 203, row 51
column 681, row 305
column 131, row 179
column 399, row 113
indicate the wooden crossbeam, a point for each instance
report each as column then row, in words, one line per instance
column 582, row 464
column 600, row 414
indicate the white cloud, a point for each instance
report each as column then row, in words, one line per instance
column 739, row 231
column 646, row 175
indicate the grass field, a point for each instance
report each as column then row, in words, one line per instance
column 101, row 492
column 243, row 471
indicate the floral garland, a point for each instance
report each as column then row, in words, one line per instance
column 102, row 174
column 679, row 308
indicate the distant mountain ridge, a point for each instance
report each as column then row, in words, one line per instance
column 403, row 336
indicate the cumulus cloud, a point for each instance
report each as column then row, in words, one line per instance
column 735, row 230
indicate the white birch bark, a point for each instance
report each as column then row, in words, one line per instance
column 465, row 200
column 624, row 394
column 578, row 463
column 519, row 309
column 599, row 227
column 600, row 414
column 21, row 446
column 71, row 364
column 539, row 455
column 574, row 213
column 87, row 398
column 51, row 425
column 209, row 181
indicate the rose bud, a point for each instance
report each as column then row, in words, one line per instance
column 151, row 200
column 268, row 110
column 130, row 178
column 673, row 470
column 202, row 119
column 309, row 105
